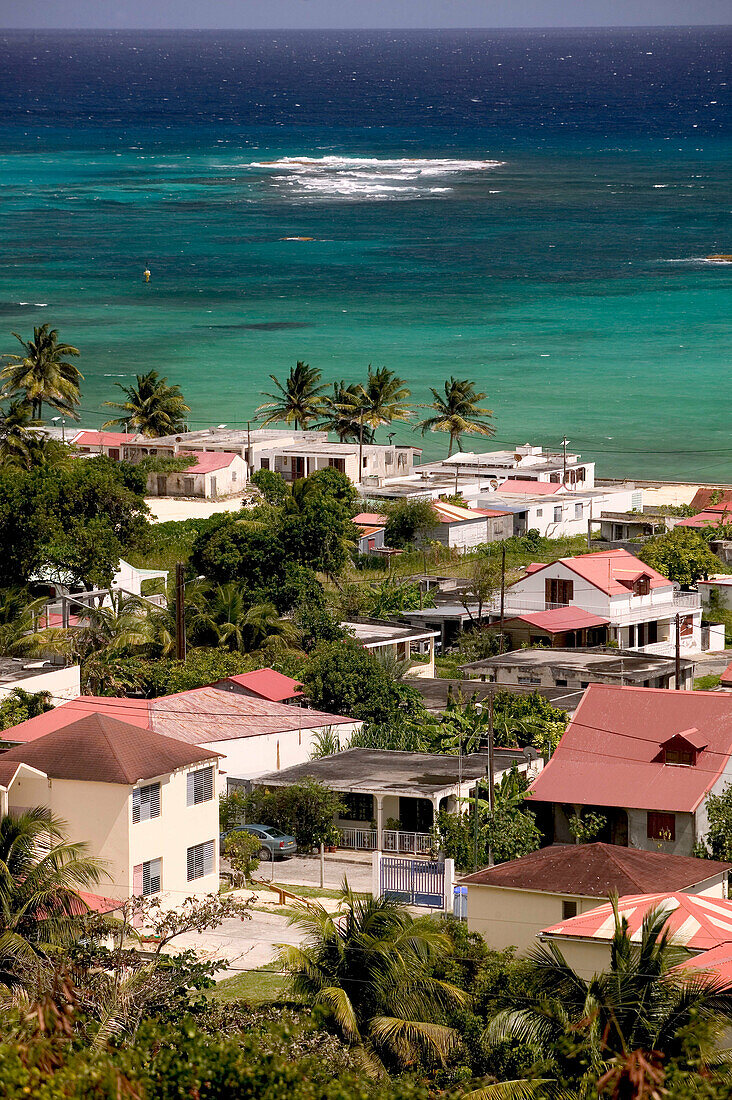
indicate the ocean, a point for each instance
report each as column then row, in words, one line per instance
column 530, row 210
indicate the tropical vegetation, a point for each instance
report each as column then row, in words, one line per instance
column 151, row 406
column 458, row 412
column 43, row 373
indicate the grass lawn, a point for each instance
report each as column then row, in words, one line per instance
column 706, row 683
column 254, row 986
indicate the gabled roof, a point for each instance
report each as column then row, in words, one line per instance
column 695, row 921
column 100, row 749
column 559, row 619
column 609, row 570
column 268, row 684
column 201, row 716
column 596, row 870
column 516, row 487
column 369, row 519
column 702, row 499
column 90, row 438
column 207, row 462
column 610, row 753
column 454, row 513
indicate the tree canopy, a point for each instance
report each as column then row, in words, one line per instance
column 682, row 555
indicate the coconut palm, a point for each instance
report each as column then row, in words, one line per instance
column 40, row 875
column 43, row 373
column 371, row 968
column 380, row 401
column 638, row 1010
column 340, row 414
column 151, row 406
column 298, row 401
column 458, row 412
column 19, row 620
column 123, row 628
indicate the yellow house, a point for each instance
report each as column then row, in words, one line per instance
column 511, row 903
column 144, row 804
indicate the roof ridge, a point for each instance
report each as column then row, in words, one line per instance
column 619, row 864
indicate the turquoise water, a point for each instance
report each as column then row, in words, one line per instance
column 538, row 236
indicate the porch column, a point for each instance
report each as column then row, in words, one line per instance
column 431, row 656
column 379, row 820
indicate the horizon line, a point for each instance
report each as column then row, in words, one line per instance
column 398, row 30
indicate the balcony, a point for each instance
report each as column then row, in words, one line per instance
column 643, row 610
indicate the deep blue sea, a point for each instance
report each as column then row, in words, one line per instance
column 531, row 210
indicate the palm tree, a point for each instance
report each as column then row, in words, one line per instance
column 340, row 413
column 458, row 412
column 43, row 373
column 371, row 968
column 40, row 874
column 19, row 634
column 296, row 402
column 637, row 1011
column 379, row 402
column 151, row 406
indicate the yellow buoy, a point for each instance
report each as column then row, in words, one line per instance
column 147, row 274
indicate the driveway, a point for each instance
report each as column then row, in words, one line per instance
column 245, row 944
column 305, row 871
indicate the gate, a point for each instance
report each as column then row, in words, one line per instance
column 413, row 881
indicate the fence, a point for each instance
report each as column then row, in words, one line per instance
column 392, row 840
column 421, row 882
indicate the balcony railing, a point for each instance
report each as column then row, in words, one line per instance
column 684, row 602
column 361, row 840
column 392, row 840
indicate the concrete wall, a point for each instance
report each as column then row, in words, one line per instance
column 587, row 957
column 226, row 482
column 722, row 592
column 249, row 757
column 62, row 683
column 514, row 918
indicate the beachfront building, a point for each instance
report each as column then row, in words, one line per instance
column 510, row 904
column 577, row 668
column 250, row 733
column 526, row 462
column 145, row 804
column 638, row 604
column 645, row 760
column 555, row 511
column 110, row 444
column 211, row 475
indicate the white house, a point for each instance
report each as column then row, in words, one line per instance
column 211, row 475
column 144, row 804
column 554, row 511
column 717, row 588
column 526, row 462
column 639, row 604
column 465, row 528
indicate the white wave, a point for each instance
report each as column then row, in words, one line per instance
column 367, row 177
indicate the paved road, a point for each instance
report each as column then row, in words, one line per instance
column 305, row 871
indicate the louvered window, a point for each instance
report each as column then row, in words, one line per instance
column 146, row 877
column 200, row 786
column 145, row 802
column 200, row 860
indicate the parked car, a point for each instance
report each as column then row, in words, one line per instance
column 274, row 844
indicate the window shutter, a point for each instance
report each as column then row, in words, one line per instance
column 191, row 863
column 200, row 860
column 136, row 805
column 191, row 788
column 155, row 800
column 200, row 786
column 137, row 879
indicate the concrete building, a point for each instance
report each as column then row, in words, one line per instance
column 577, row 668
column 251, row 735
column 526, row 462
column 508, row 905
column 555, row 511
column 644, row 759
column 632, row 526
column 696, row 923
column 62, row 682
column 439, row 692
column 639, row 604
column 145, row 804
column 398, row 791
column 717, row 589
column 211, row 476
column 403, row 643
column 111, row 444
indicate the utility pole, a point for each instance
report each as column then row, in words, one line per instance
column 491, row 788
column 565, row 441
column 180, row 615
column 503, row 592
column 678, row 652
column 249, row 451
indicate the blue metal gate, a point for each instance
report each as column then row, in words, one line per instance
column 413, row 881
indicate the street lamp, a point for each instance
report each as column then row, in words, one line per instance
column 54, row 420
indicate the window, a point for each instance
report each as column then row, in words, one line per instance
column 687, row 757
column 558, row 591
column 578, row 511
column 147, row 877
column 539, row 512
column 338, row 464
column 233, row 475
column 529, row 679
column 661, row 826
column 642, row 587
column 364, row 462
column 561, row 683
column 389, row 458
column 359, row 807
column 200, row 786
column 569, row 910
column 264, row 464
column 145, row 802
column 558, row 514
column 200, row 860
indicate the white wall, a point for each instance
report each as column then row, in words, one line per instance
column 62, row 683
column 249, row 757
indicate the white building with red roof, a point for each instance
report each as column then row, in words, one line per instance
column 211, row 475
column 696, row 923
column 111, row 444
column 646, row 760
column 638, row 604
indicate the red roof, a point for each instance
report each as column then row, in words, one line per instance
column 716, row 963
column 101, row 439
column 609, row 570
column 492, row 513
column 369, row 519
column 695, row 921
column 712, row 516
column 610, row 753
column 207, row 462
column 702, row 499
column 201, row 716
column 268, row 684
column 97, row 903
column 726, row 677
column 530, row 488
column 559, row 619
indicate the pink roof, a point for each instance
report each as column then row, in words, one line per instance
column 99, row 904
column 200, row 716
column 530, row 488
column 454, row 513
column 370, row 519
column 695, row 921
column 207, row 462
column 491, row 512
column 610, row 753
column 560, row 618
column 608, row 569
column 712, row 516
column 726, row 677
column 716, row 964
column 101, row 439
column 269, row 684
